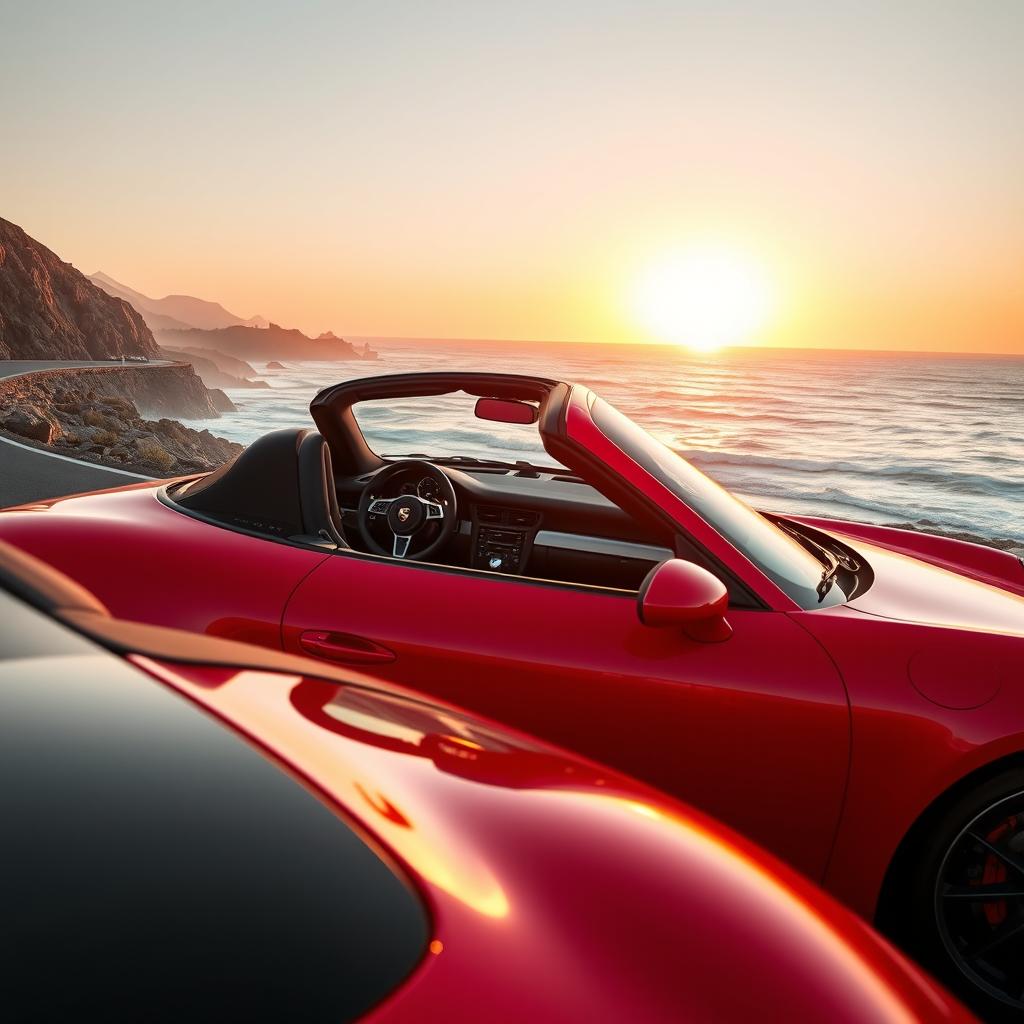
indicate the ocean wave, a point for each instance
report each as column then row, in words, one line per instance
column 835, row 501
column 939, row 475
column 880, row 437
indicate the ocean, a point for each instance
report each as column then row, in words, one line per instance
column 928, row 441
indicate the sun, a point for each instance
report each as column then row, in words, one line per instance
column 705, row 298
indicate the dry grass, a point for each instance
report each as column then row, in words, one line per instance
column 93, row 418
column 154, row 453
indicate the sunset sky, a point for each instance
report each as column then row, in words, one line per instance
column 853, row 174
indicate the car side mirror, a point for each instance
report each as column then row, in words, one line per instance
column 681, row 595
column 505, row 410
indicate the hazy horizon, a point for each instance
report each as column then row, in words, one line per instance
column 671, row 347
column 846, row 177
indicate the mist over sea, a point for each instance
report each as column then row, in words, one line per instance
column 930, row 441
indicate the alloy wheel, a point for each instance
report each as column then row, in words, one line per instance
column 979, row 900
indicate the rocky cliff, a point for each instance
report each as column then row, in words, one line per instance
column 161, row 391
column 48, row 310
column 94, row 415
column 154, row 390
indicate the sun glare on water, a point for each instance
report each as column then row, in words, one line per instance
column 705, row 299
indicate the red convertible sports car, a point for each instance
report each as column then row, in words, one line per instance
column 418, row 865
column 850, row 696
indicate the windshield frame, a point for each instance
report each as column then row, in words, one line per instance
column 400, row 427
column 331, row 408
column 781, row 570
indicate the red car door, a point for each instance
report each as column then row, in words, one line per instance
column 754, row 730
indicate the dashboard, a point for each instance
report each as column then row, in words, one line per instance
column 547, row 525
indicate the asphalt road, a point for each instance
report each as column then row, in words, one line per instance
column 16, row 367
column 34, row 474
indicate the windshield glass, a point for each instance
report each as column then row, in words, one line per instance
column 793, row 568
column 444, row 426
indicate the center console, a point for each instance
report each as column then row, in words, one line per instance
column 502, row 538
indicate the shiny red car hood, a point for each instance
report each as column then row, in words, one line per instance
column 912, row 590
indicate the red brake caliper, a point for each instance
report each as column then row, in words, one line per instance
column 995, row 871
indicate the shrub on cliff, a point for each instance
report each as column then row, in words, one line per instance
column 153, row 453
column 95, row 418
column 172, row 428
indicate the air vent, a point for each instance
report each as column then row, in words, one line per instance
column 491, row 516
column 523, row 518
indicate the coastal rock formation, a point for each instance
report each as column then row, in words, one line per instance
column 266, row 343
column 275, row 365
column 226, row 364
column 32, row 422
column 209, row 372
column 82, row 414
column 362, row 352
column 161, row 391
column 48, row 310
column 155, row 390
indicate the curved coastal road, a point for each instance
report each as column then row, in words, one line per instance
column 34, row 474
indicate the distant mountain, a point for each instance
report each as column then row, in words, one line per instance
column 176, row 312
column 49, row 310
column 266, row 343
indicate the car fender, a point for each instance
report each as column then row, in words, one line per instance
column 907, row 748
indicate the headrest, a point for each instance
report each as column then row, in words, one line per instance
column 318, row 497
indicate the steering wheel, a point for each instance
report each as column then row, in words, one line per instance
column 407, row 514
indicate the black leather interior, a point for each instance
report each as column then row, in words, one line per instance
column 281, row 485
column 318, row 499
column 258, row 490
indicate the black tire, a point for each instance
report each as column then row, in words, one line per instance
column 957, row 905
